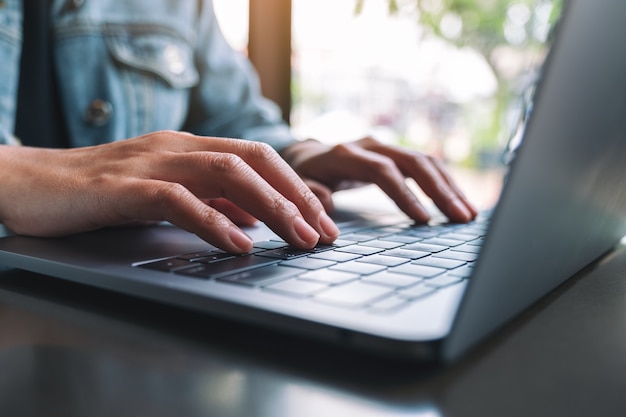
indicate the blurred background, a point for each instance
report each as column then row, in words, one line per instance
column 445, row 77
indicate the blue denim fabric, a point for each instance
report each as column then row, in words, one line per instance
column 128, row 67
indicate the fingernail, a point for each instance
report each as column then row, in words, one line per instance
column 328, row 226
column 460, row 211
column 305, row 231
column 240, row 239
column 418, row 213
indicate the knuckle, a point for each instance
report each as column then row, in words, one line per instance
column 261, row 150
column 279, row 204
column 252, row 150
column 169, row 193
column 368, row 142
column 225, row 162
column 382, row 164
column 422, row 161
column 211, row 218
column 161, row 136
column 344, row 150
column 308, row 197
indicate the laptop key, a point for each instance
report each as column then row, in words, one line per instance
column 439, row 262
column 443, row 242
column 389, row 304
column 197, row 255
column 465, row 237
column 425, row 247
column 414, row 270
column 329, row 276
column 168, row 265
column 353, row 294
column 476, row 242
column 308, row 263
column 423, row 232
column 468, row 248
column 359, row 250
column 408, row 254
column 214, row 257
column 392, row 280
column 401, row 239
column 378, row 259
column 417, row 291
column 442, row 281
column 463, row 271
column 285, row 253
column 260, row 276
column 336, row 256
column 296, row 287
column 227, row 267
column 356, row 237
column 270, row 244
column 383, row 244
column 358, row 268
column 456, row 255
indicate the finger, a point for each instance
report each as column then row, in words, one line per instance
column 237, row 215
column 444, row 173
column 224, row 175
column 432, row 177
column 172, row 202
column 437, row 186
column 323, row 193
column 279, row 175
column 361, row 164
column 268, row 164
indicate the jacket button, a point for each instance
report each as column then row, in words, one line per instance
column 75, row 4
column 174, row 59
column 99, row 112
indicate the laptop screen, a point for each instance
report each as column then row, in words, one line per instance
column 564, row 204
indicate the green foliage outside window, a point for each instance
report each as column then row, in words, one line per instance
column 489, row 27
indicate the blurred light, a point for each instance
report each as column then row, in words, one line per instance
column 232, row 16
column 514, row 34
column 451, row 25
column 519, row 14
column 432, row 6
column 542, row 26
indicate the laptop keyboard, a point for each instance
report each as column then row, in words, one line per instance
column 377, row 268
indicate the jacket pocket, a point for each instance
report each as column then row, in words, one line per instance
column 163, row 55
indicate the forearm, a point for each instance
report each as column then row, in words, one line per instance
column 22, row 171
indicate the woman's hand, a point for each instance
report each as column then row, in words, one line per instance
column 188, row 180
column 327, row 169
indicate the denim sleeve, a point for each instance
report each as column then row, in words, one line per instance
column 6, row 138
column 228, row 102
column 10, row 48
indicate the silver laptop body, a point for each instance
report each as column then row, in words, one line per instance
column 563, row 206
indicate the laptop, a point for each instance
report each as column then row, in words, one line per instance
column 391, row 287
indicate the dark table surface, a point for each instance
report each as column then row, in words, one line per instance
column 68, row 350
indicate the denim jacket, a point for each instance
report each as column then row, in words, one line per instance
column 128, row 67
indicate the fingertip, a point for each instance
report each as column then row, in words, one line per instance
column 305, row 232
column 473, row 210
column 329, row 228
column 460, row 212
column 242, row 241
column 419, row 214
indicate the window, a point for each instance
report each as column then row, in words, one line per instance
column 424, row 79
